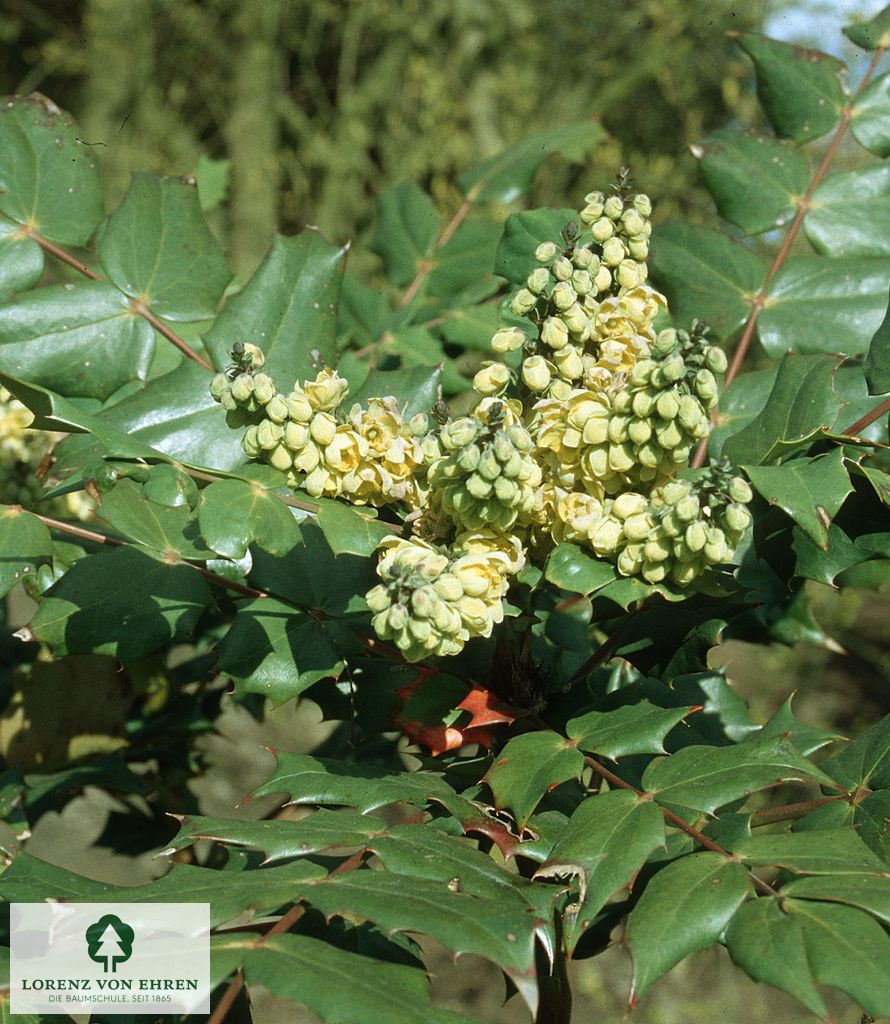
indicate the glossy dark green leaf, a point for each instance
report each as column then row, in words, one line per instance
column 523, row 233
column 806, row 738
column 288, row 308
column 348, row 531
column 739, row 404
column 276, row 650
column 755, row 180
column 877, row 362
column 820, row 305
column 802, row 405
column 471, row 326
column 705, row 778
column 49, row 179
column 705, row 276
column 872, row 819
column 283, row 839
column 234, row 514
column 571, row 568
column 317, row 780
column 631, row 729
column 836, row 851
column 870, row 34
column 120, row 602
column 684, row 908
column 866, row 761
column 505, row 177
column 801, row 90
column 363, row 311
column 529, row 766
column 78, row 339
column 25, row 545
column 407, row 226
column 416, row 389
column 848, row 213
column 157, row 248
column 170, row 533
column 870, row 123
column 21, row 261
column 605, row 843
column 810, row 490
column 870, row 893
column 416, row 346
column 466, row 258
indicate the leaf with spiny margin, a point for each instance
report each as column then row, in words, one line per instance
column 348, row 531
column 605, row 843
column 802, row 406
column 872, row 34
column 824, row 305
column 848, row 214
column 165, row 531
column 740, row 403
column 338, row 985
column 529, row 766
column 49, row 179
column 25, row 545
column 288, row 308
column 830, row 851
column 80, row 339
column 806, row 738
column 21, row 261
column 877, row 361
column 234, row 514
column 465, row 260
column 416, row 389
column 156, row 247
column 865, row 762
column 506, row 176
column 276, row 650
column 321, row 780
column 810, row 490
column 363, row 311
column 279, row 840
column 801, row 90
column 684, row 908
column 631, row 729
column 120, row 602
column 705, row 778
column 705, row 275
column 572, row 569
column 523, row 233
column 754, row 179
column 870, row 893
column 870, row 122
column 407, row 226
column 872, row 819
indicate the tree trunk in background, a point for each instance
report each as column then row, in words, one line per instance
column 252, row 132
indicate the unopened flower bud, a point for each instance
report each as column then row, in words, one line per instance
column 522, row 302
column 643, row 205
column 535, row 373
column 492, row 379
column 219, row 386
column 667, row 405
column 538, row 280
column 264, row 389
column 602, row 229
column 613, row 207
column 715, row 359
column 739, row 490
column 738, row 518
column 603, row 279
column 583, row 258
column 562, row 268
column 554, row 333
column 631, row 221
column 507, row 339
column 545, row 252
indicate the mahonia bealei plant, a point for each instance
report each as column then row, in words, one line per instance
column 585, row 443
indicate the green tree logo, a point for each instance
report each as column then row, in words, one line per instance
column 110, row 942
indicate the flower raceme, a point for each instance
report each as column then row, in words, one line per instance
column 588, row 441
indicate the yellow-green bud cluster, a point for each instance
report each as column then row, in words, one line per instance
column 621, row 228
column 432, row 600
column 487, row 474
column 243, row 391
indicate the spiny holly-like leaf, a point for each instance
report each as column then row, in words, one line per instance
column 631, row 729
column 810, row 490
column 277, row 650
column 523, row 233
column 120, row 602
column 529, row 766
column 820, row 305
column 571, row 568
column 320, row 780
column 48, row 178
column 739, row 404
column 684, row 908
column 755, row 179
column 870, row 123
column 280, row 840
column 872, row 819
column 169, row 533
column 705, row 778
column 866, row 761
column 407, row 226
column 877, row 362
column 25, row 545
column 288, row 308
column 336, row 984
column 234, row 514
column 21, row 261
column 79, row 339
column 416, row 389
column 806, row 738
column 705, row 275
column 801, row 406
column 801, row 90
column 505, row 177
column 835, row 851
column 349, row 531
column 605, row 843
column 157, row 248
column 417, row 347
column 870, row 34
column 848, row 214
column 795, row 944
column 465, row 260
column 870, row 893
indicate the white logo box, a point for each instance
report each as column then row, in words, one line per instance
column 80, row 958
